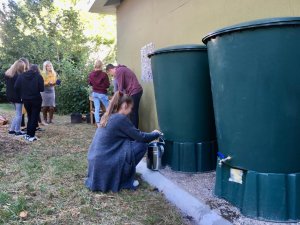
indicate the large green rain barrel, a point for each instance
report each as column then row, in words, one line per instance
column 255, row 75
column 184, row 106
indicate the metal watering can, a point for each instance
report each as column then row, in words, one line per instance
column 154, row 154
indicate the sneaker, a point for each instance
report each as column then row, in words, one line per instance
column 30, row 139
column 40, row 129
column 24, row 129
column 11, row 132
column 20, row 133
column 44, row 123
column 26, row 137
column 136, row 183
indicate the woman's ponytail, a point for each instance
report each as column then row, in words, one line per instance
column 117, row 100
column 112, row 105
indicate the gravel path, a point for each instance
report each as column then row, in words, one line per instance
column 201, row 185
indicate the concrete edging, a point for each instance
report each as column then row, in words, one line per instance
column 183, row 200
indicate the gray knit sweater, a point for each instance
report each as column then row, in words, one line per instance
column 111, row 159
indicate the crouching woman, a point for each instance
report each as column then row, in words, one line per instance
column 116, row 148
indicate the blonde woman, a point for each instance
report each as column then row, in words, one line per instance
column 27, row 64
column 99, row 81
column 48, row 95
column 11, row 76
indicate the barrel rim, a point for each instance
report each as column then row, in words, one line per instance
column 179, row 48
column 268, row 22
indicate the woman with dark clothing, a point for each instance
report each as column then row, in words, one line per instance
column 29, row 85
column 116, row 148
column 27, row 65
column 11, row 75
column 127, row 82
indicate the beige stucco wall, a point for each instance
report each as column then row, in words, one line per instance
column 172, row 22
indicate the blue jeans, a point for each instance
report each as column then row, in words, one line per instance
column 98, row 98
column 16, row 122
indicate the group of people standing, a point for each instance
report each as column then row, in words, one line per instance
column 118, row 145
column 27, row 86
column 125, row 81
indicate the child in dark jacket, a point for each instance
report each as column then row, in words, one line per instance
column 29, row 85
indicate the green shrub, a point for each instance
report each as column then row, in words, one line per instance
column 39, row 31
column 73, row 93
column 2, row 86
column 2, row 89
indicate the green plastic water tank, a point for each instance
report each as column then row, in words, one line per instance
column 255, row 75
column 184, row 106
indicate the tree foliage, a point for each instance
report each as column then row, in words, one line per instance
column 73, row 93
column 39, row 31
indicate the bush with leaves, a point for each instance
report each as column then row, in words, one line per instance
column 73, row 92
column 2, row 87
column 39, row 31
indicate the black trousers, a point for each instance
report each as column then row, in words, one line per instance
column 33, row 108
column 23, row 120
column 134, row 116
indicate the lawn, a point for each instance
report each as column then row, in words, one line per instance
column 45, row 181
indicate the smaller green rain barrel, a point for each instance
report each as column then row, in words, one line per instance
column 255, row 76
column 184, row 106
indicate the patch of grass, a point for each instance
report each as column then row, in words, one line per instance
column 10, row 208
column 66, row 164
column 6, row 107
column 31, row 165
column 46, row 178
column 4, row 198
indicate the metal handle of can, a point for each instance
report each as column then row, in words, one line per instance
column 161, row 140
column 224, row 160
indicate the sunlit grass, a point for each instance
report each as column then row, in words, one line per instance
column 6, row 107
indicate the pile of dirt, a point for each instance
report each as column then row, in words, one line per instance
column 10, row 145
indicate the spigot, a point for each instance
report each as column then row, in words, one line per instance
column 224, row 160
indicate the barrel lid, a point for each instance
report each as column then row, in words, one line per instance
column 179, row 48
column 269, row 22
